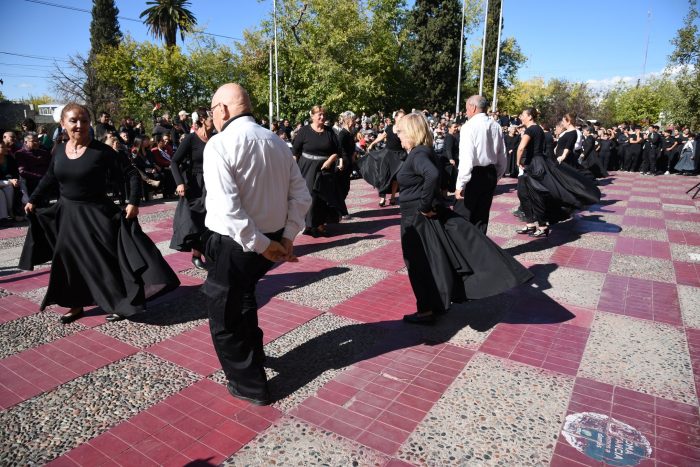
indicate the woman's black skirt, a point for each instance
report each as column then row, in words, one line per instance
column 594, row 164
column 327, row 200
column 379, row 168
column 686, row 163
column 98, row 257
column 188, row 222
column 450, row 260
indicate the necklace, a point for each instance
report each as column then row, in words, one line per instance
column 75, row 152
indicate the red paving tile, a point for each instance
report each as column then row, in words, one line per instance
column 387, row 257
column 278, row 317
column 14, row 306
column 382, row 410
column 639, row 247
column 192, row 350
column 639, row 298
column 390, row 299
column 685, row 238
column 582, row 258
column 24, row 281
column 687, row 273
column 26, row 374
column 648, row 222
column 556, row 347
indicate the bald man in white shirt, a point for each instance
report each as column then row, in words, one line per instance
column 256, row 202
column 482, row 161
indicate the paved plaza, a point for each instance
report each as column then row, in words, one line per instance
column 596, row 362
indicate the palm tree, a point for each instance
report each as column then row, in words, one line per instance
column 165, row 17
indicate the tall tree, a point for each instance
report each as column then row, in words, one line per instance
column 104, row 27
column 510, row 61
column 686, row 58
column 434, row 34
column 493, row 21
column 165, row 17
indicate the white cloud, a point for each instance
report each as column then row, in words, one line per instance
column 607, row 83
column 25, row 85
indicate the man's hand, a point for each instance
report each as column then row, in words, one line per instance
column 459, row 194
column 29, row 207
column 180, row 190
column 289, row 246
column 131, row 211
column 560, row 159
column 429, row 214
column 452, row 162
column 14, row 182
column 275, row 252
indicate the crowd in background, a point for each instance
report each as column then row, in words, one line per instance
column 25, row 154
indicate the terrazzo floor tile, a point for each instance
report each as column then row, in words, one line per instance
column 678, row 207
column 512, row 413
column 161, row 321
column 644, row 233
column 38, row 430
column 644, row 213
column 498, row 229
column 640, row 355
column 683, row 225
column 591, row 241
column 687, row 253
column 350, row 248
column 331, row 289
column 689, row 298
column 645, row 199
column 642, row 267
column 527, row 251
column 574, row 286
column 33, row 330
column 294, row 442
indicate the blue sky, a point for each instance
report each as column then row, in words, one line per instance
column 596, row 40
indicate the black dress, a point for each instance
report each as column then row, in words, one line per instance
column 546, row 186
column 567, row 140
column 605, row 152
column 448, row 259
column 347, row 150
column 590, row 160
column 379, row 168
column 634, row 153
column 512, row 143
column 98, row 256
column 312, row 149
column 187, row 169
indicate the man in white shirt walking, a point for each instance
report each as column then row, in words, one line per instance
column 256, row 202
column 482, row 161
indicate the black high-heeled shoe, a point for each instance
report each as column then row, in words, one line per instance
column 526, row 230
column 72, row 316
column 540, row 233
column 197, row 261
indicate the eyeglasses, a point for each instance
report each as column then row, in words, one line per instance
column 210, row 112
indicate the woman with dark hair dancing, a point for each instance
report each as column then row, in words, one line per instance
column 548, row 190
column 187, row 170
column 98, row 253
column 379, row 168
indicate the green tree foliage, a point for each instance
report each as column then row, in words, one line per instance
column 147, row 74
column 165, row 17
column 648, row 102
column 685, row 105
column 434, row 37
column 552, row 99
column 492, row 26
column 510, row 61
column 104, row 27
column 344, row 55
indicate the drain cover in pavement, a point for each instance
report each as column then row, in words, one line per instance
column 606, row 439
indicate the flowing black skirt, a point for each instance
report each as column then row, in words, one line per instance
column 562, row 182
column 594, row 164
column 686, row 162
column 450, row 260
column 98, row 257
column 327, row 200
column 188, row 222
column 379, row 168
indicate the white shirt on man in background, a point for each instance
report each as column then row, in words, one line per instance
column 480, row 145
column 254, row 185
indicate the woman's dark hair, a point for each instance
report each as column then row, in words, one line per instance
column 532, row 112
column 570, row 117
column 74, row 106
column 138, row 143
column 29, row 123
column 201, row 116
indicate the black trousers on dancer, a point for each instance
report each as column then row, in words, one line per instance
column 233, row 311
column 649, row 159
column 478, row 196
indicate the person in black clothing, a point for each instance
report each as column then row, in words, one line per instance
column 451, row 156
column 103, row 126
column 346, row 141
column 188, row 173
column 148, row 170
column 549, row 142
column 387, row 162
column 512, row 140
column 650, row 155
column 622, row 148
column 316, row 149
column 548, row 189
column 564, row 150
column 127, row 127
column 669, row 144
column 99, row 255
column 634, row 150
column 10, row 194
column 604, row 149
column 448, row 259
column 589, row 155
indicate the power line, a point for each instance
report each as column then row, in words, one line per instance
column 21, row 76
column 83, row 10
column 26, row 65
column 36, row 57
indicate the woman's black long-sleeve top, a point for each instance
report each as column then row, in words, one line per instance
column 192, row 148
column 419, row 178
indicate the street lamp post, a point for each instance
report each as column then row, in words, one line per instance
column 498, row 57
column 483, row 48
column 459, row 70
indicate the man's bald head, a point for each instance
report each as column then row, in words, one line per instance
column 229, row 100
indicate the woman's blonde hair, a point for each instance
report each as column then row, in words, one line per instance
column 414, row 128
column 316, row 109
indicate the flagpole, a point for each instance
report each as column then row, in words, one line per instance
column 277, row 74
column 483, row 49
column 498, row 57
column 271, row 107
column 461, row 46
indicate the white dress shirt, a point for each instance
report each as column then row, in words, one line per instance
column 253, row 185
column 480, row 144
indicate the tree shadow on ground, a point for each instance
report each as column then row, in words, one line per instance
column 353, row 343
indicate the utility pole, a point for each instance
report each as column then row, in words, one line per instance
column 498, row 57
column 271, row 107
column 277, row 74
